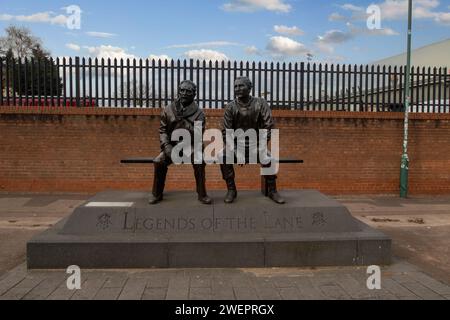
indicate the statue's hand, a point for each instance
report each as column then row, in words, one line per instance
column 168, row 151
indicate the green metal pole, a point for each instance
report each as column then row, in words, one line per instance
column 404, row 167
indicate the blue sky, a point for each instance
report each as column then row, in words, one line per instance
column 259, row 30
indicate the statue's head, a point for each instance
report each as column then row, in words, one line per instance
column 187, row 90
column 242, row 87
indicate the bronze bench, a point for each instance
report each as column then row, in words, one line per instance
column 264, row 189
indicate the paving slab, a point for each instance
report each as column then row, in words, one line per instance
column 419, row 269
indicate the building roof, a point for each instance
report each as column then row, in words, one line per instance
column 434, row 55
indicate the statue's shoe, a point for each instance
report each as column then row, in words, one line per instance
column 205, row 200
column 230, row 196
column 275, row 196
column 155, row 200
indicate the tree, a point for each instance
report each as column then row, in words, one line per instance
column 21, row 43
column 28, row 63
column 137, row 97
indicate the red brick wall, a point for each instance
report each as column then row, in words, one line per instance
column 78, row 150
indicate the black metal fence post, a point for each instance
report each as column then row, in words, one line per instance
column 77, row 81
column 303, row 86
column 2, row 82
column 446, row 88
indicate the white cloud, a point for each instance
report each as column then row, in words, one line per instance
column 381, row 32
column 428, row 3
column 255, row 5
column 351, row 7
column 326, row 58
column 100, row 34
column 357, row 12
column 111, row 52
column 40, row 17
column 6, row 17
column 252, row 50
column 205, row 54
column 293, row 31
column 337, row 17
column 108, row 51
column 422, row 13
column 283, row 46
column 161, row 57
column 204, row 44
column 336, row 36
column 324, row 47
column 395, row 9
column 375, row 32
column 443, row 18
column 332, row 59
column 73, row 46
column 398, row 10
column 326, row 43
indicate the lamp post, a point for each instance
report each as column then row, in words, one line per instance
column 404, row 167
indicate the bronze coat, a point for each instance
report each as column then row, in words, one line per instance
column 171, row 120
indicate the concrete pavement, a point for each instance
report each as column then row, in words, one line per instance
column 418, row 226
